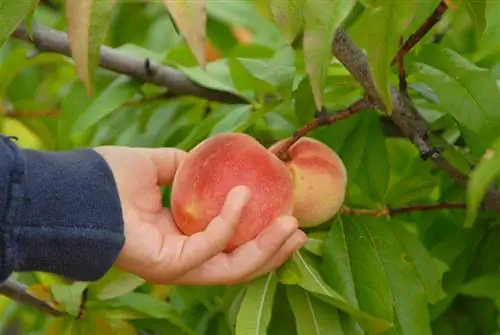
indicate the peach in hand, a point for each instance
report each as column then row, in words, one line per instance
column 320, row 180
column 220, row 163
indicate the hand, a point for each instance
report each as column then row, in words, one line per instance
column 158, row 252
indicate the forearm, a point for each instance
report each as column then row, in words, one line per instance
column 59, row 212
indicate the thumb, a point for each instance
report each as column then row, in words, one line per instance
column 166, row 161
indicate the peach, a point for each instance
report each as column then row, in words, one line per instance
column 320, row 180
column 216, row 165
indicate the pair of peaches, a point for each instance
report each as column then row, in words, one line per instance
column 311, row 186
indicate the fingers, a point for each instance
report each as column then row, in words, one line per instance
column 274, row 245
column 200, row 247
column 167, row 161
column 294, row 243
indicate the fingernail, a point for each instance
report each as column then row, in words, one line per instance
column 243, row 192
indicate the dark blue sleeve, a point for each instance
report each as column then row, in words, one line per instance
column 59, row 212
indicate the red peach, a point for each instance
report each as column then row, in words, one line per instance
column 320, row 180
column 216, row 165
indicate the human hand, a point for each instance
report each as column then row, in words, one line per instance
column 158, row 252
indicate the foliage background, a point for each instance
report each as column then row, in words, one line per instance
column 422, row 272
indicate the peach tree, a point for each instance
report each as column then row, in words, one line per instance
column 405, row 92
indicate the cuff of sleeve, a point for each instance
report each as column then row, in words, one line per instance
column 70, row 219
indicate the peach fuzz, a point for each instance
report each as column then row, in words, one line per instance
column 216, row 165
column 320, row 180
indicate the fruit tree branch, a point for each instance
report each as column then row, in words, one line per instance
column 50, row 40
column 322, row 119
column 431, row 21
column 387, row 211
column 404, row 113
column 19, row 293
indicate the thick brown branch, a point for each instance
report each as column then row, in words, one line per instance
column 431, row 21
column 387, row 211
column 322, row 120
column 19, row 293
column 404, row 113
column 50, row 40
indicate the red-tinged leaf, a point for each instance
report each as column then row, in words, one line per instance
column 288, row 15
column 321, row 20
column 191, row 18
column 87, row 27
column 389, row 20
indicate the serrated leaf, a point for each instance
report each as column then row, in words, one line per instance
column 119, row 91
column 390, row 17
column 312, row 281
column 480, row 179
column 487, row 286
column 255, row 311
column 321, row 20
column 288, row 16
column 87, row 27
column 12, row 14
column 312, row 316
column 191, row 18
column 468, row 93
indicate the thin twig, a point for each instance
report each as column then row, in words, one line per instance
column 387, row 211
column 50, row 40
column 19, row 293
column 29, row 114
column 431, row 21
column 403, row 85
column 322, row 119
column 404, row 113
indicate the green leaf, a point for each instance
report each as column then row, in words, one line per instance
column 114, row 283
column 288, row 15
column 476, row 9
column 471, row 94
column 119, row 91
column 489, row 40
column 234, row 121
column 304, row 101
column 429, row 269
column 256, row 308
column 87, row 27
column 315, row 242
column 70, row 296
column 353, row 267
column 322, row 18
column 487, row 286
column 12, row 14
column 479, row 180
column 390, row 17
column 312, row 281
column 312, row 315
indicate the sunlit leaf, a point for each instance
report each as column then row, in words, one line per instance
column 321, row 18
column 87, row 27
column 288, row 15
column 12, row 14
column 191, row 18
column 390, row 17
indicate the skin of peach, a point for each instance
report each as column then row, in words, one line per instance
column 213, row 168
column 320, row 180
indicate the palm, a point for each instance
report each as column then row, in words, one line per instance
column 157, row 251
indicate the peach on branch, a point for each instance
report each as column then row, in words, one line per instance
column 220, row 163
column 319, row 177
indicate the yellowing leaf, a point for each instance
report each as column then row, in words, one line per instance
column 191, row 18
column 288, row 16
column 87, row 27
column 322, row 18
